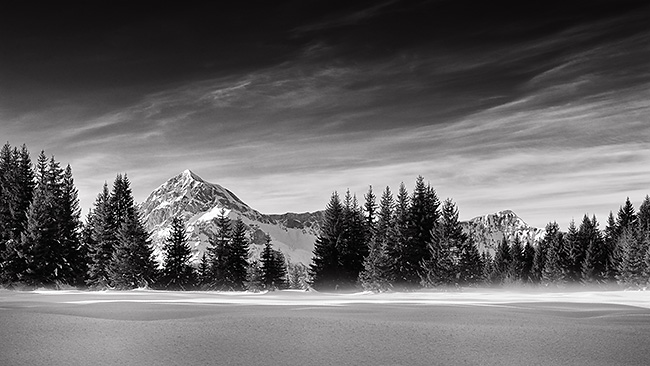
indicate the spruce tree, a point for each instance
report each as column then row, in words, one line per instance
column 553, row 272
column 219, row 251
column 325, row 270
column 376, row 266
column 203, row 272
column 610, row 240
column 398, row 236
column 238, row 256
column 502, row 264
column 527, row 274
column 446, row 261
column 73, row 250
column 422, row 219
column 370, row 209
column 101, row 241
column 273, row 267
column 594, row 266
column 132, row 263
column 45, row 261
column 353, row 245
column 470, row 263
column 517, row 259
column 177, row 271
column 643, row 216
column 573, row 252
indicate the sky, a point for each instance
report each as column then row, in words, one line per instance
column 542, row 108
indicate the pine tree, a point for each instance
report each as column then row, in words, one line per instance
column 594, row 266
column 626, row 216
column 102, row 240
column 553, row 271
column 527, row 274
column 325, row 270
column 446, row 263
column 238, row 256
column 502, row 263
column 132, row 263
column 273, row 267
column 376, row 266
column 398, row 237
column 470, row 264
column 177, row 271
column 73, row 251
column 422, row 219
column 370, row 208
column 573, row 252
column 643, row 216
column 353, row 245
column 611, row 239
column 16, row 192
column 517, row 259
column 44, row 257
column 219, row 251
column 203, row 272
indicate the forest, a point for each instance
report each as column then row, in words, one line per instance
column 402, row 242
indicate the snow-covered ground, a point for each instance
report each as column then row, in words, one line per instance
column 472, row 327
column 303, row 298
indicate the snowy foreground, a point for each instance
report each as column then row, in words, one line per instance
column 472, row 327
column 303, row 298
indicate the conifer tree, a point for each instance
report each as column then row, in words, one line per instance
column 422, row 219
column 610, row 240
column 203, row 272
column 398, row 236
column 376, row 266
column 353, row 245
column 73, row 251
column 177, row 271
column 297, row 276
column 502, row 263
column 632, row 265
column 325, row 270
column 220, row 253
column 517, row 259
column 626, row 217
column 527, row 274
column 446, row 263
column 573, row 252
column 254, row 277
column 44, row 257
column 488, row 267
column 553, row 271
column 370, row 208
column 594, row 266
column 643, row 216
column 471, row 263
column 238, row 256
column 102, row 240
column 273, row 267
column 132, row 263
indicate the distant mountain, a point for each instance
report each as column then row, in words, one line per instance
column 199, row 203
column 488, row 231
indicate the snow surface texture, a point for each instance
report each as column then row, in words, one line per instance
column 199, row 203
column 314, row 298
column 481, row 327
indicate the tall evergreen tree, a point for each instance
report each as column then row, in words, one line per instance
column 573, row 252
column 102, row 241
column 502, row 263
column 527, row 274
column 446, row 263
column 325, row 270
column 399, row 236
column 177, row 271
column 219, row 250
column 626, row 217
column 643, row 216
column 594, row 266
column 611, row 239
column 273, row 267
column 517, row 259
column 376, row 266
column 238, row 256
column 370, row 208
column 74, row 252
column 423, row 218
column 470, row 264
column 132, row 263
column 353, row 245
column 553, row 271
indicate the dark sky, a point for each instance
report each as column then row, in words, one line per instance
column 540, row 107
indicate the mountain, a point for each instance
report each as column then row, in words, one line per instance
column 199, row 203
column 488, row 231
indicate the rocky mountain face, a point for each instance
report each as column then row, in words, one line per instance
column 489, row 230
column 199, row 203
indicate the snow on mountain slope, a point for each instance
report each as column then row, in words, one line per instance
column 199, row 204
column 488, row 231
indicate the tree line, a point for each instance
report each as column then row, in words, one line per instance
column 413, row 240
column 403, row 241
column 44, row 243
